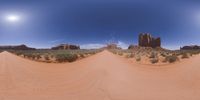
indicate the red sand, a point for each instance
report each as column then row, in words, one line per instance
column 103, row 76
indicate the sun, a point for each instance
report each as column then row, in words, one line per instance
column 12, row 18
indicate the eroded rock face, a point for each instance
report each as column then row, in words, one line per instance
column 192, row 47
column 18, row 47
column 146, row 40
column 66, row 47
column 156, row 42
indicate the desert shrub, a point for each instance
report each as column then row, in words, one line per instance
column 114, row 52
column 82, row 55
column 39, row 53
column 194, row 52
column 19, row 53
column 130, row 55
column 190, row 54
column 171, row 59
column 138, row 58
column 38, row 57
column 184, row 55
column 30, row 56
column 46, row 57
column 93, row 53
column 120, row 53
column 52, row 56
column 33, row 56
column 153, row 55
column 164, row 54
column 66, row 57
column 154, row 60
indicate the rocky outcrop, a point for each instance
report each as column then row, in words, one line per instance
column 19, row 47
column 132, row 46
column 146, row 40
column 192, row 47
column 112, row 46
column 66, row 47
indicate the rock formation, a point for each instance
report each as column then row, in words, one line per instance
column 112, row 46
column 132, row 46
column 146, row 40
column 19, row 47
column 192, row 47
column 66, row 47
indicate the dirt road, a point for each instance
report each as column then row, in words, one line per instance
column 103, row 76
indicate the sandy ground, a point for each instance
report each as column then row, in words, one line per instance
column 104, row 76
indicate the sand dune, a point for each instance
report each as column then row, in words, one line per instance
column 103, row 76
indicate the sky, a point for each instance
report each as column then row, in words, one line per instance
column 94, row 23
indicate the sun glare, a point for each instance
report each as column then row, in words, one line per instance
column 12, row 18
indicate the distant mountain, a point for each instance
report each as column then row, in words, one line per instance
column 16, row 47
column 191, row 47
column 66, row 47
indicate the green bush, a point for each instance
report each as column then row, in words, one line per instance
column 66, row 57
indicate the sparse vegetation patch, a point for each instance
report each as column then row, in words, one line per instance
column 55, row 55
column 154, row 55
column 185, row 55
column 154, row 60
column 66, row 57
column 138, row 58
column 171, row 59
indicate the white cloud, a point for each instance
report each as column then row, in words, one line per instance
column 92, row 46
column 172, row 47
column 56, row 41
column 122, row 45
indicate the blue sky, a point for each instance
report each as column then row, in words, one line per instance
column 93, row 23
